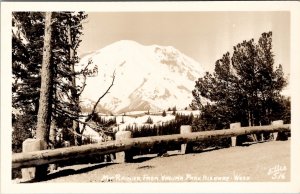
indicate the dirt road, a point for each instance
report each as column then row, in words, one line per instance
column 269, row 161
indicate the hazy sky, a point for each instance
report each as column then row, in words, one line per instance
column 204, row 36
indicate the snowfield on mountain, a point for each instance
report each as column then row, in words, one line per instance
column 147, row 77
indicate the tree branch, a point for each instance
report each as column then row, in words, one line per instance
column 89, row 117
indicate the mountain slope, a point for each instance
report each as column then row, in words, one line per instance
column 147, row 77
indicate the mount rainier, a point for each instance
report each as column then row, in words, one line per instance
column 146, row 77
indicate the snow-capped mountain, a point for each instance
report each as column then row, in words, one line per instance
column 146, row 77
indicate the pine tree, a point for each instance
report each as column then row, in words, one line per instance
column 174, row 110
column 27, row 60
column 149, row 120
column 243, row 88
column 74, row 30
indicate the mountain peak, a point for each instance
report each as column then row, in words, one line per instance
column 147, row 77
column 126, row 43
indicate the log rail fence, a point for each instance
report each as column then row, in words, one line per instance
column 33, row 157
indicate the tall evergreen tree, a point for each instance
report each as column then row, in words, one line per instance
column 27, row 41
column 71, row 89
column 243, row 88
column 26, row 60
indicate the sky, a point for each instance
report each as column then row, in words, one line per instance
column 203, row 36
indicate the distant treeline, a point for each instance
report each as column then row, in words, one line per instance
column 166, row 128
column 173, row 127
column 103, row 121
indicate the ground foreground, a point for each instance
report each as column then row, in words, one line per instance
column 268, row 161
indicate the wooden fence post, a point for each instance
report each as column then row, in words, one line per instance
column 124, row 156
column 30, row 145
column 276, row 123
column 262, row 137
column 185, row 129
column 233, row 139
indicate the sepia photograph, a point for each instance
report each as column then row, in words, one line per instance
column 142, row 96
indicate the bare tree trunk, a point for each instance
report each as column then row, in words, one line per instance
column 249, row 119
column 53, row 125
column 76, row 129
column 44, row 112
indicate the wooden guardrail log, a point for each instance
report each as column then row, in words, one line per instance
column 36, row 158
